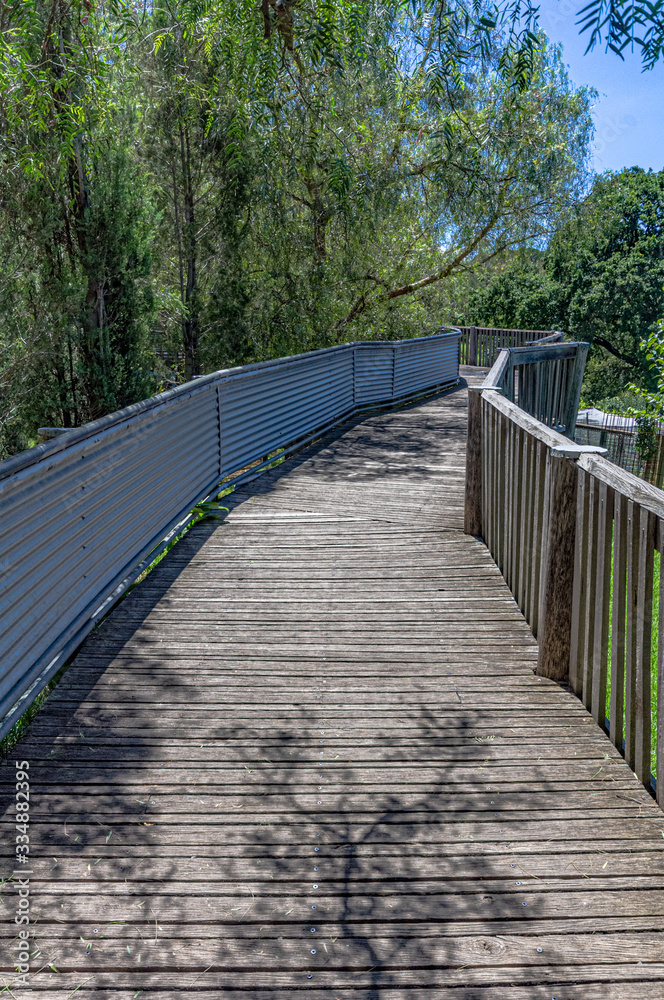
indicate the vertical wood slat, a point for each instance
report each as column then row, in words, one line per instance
column 514, row 507
column 644, row 549
column 491, row 498
column 617, row 700
column 508, row 500
column 630, row 639
column 602, row 602
column 487, row 522
column 496, row 485
column 521, row 549
column 538, row 519
column 486, row 444
column 500, row 499
column 591, row 593
column 529, row 508
column 659, row 749
column 491, row 465
column 472, row 347
column 577, row 642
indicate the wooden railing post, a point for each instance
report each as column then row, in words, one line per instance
column 472, row 347
column 557, row 581
column 472, row 523
column 555, row 615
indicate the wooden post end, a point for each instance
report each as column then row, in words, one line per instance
column 554, row 631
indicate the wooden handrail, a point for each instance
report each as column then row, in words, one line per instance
column 496, row 377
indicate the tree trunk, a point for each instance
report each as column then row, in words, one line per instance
column 191, row 319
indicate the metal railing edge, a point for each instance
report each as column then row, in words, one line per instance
column 74, row 435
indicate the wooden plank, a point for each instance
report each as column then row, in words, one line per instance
column 362, row 989
column 579, row 591
column 537, row 514
column 659, row 766
column 617, row 699
column 517, row 499
column 510, row 462
column 635, row 489
column 524, row 544
column 640, row 545
column 602, row 603
column 472, row 353
column 500, row 487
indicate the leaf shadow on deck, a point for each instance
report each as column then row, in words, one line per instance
column 362, row 450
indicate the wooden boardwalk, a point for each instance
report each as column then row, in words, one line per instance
column 308, row 756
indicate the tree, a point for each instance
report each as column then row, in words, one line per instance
column 608, row 265
column 600, row 279
column 78, row 308
column 617, row 24
column 376, row 186
column 237, row 183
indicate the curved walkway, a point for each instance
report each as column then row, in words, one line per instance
column 308, row 756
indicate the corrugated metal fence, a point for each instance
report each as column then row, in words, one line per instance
column 80, row 514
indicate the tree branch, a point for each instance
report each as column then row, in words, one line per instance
column 630, row 358
column 430, row 279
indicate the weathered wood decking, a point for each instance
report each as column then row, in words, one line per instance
column 308, row 757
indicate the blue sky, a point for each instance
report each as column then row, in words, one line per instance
column 629, row 114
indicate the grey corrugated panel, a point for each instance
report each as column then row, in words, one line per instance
column 53, row 490
column 78, row 512
column 90, row 465
column 58, row 605
column 374, row 369
column 246, row 449
column 262, row 414
column 12, row 680
column 77, row 551
column 41, row 671
column 436, row 362
column 156, row 404
column 254, row 425
column 279, row 381
column 62, row 544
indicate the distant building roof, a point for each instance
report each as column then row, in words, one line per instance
column 593, row 417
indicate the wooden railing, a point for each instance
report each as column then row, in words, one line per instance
column 480, row 345
column 578, row 541
column 544, row 380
